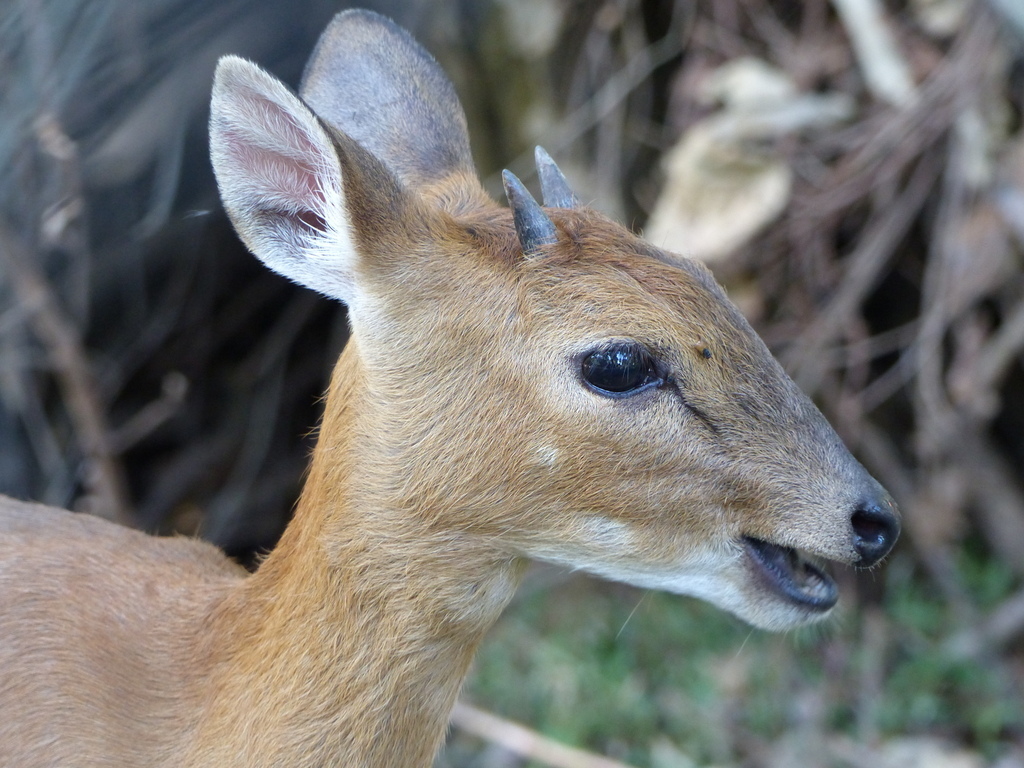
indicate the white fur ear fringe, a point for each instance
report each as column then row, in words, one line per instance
column 280, row 179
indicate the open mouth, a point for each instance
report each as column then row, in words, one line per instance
column 790, row 574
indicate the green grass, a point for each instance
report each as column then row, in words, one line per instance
column 664, row 681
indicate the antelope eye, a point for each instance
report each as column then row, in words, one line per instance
column 620, row 370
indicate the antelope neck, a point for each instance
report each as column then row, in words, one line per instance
column 367, row 673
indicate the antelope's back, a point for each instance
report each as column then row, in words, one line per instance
column 100, row 629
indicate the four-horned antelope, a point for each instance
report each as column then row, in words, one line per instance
column 526, row 383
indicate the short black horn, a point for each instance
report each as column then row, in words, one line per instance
column 532, row 225
column 554, row 188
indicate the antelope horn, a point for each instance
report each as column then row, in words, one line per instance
column 533, row 226
column 555, row 189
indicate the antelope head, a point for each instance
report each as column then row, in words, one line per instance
column 535, row 378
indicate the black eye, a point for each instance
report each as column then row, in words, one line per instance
column 619, row 370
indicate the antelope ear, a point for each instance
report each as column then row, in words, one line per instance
column 369, row 79
column 281, row 180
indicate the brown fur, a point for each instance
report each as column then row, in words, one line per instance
column 458, row 440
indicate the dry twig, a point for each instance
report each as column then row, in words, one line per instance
column 106, row 495
column 525, row 742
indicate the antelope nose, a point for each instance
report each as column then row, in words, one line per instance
column 875, row 530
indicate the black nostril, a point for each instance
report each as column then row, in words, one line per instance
column 875, row 530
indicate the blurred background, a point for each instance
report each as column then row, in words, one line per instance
column 853, row 171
